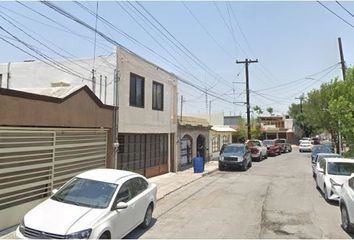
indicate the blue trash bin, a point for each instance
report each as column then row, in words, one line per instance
column 198, row 164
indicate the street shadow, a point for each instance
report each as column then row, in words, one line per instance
column 330, row 202
column 138, row 232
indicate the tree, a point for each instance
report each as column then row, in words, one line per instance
column 258, row 110
column 270, row 111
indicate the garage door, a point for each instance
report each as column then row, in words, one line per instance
column 34, row 161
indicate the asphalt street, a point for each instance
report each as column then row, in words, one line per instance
column 276, row 198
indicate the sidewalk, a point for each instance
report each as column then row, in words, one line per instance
column 166, row 184
column 170, row 182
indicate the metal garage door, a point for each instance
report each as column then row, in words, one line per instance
column 34, row 161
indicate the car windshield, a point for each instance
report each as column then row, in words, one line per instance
column 86, row 192
column 239, row 150
column 320, row 157
column 341, row 168
column 268, row 142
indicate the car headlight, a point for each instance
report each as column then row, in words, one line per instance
column 80, row 235
column 335, row 184
column 21, row 227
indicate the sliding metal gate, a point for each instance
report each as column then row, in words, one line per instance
column 34, row 161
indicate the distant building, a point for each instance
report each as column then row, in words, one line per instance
column 273, row 127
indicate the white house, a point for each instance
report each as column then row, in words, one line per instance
column 147, row 102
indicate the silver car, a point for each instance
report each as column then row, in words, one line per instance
column 346, row 204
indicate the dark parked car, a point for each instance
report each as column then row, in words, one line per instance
column 322, row 148
column 273, row 148
column 235, row 155
column 284, row 145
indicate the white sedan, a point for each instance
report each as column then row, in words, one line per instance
column 305, row 146
column 346, row 204
column 331, row 173
column 100, row 203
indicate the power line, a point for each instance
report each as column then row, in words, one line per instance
column 344, row 9
column 203, row 65
column 77, row 20
column 335, row 14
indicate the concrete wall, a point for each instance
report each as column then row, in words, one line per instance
column 79, row 110
column 194, row 132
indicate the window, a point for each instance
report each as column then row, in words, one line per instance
column 124, row 194
column 140, row 185
column 157, row 96
column 136, row 90
column 351, row 183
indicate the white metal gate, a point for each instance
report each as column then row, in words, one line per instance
column 34, row 161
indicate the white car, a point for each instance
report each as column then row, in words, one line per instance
column 100, row 203
column 258, row 150
column 331, row 173
column 320, row 156
column 305, row 146
column 346, row 205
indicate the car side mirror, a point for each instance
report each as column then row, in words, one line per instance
column 54, row 191
column 121, row 205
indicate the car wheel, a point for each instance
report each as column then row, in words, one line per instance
column 345, row 220
column 148, row 217
column 244, row 166
column 325, row 193
column 250, row 164
column 266, row 156
column 221, row 167
column 260, row 157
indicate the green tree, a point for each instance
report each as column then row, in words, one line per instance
column 270, row 110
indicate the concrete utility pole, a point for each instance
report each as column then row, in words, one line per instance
column 247, row 62
column 342, row 57
column 105, row 89
column 93, row 81
column 301, row 98
column 181, row 108
column 8, row 76
column 101, row 87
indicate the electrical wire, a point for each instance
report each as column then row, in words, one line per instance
column 335, row 14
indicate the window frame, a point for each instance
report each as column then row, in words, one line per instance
column 133, row 90
column 155, row 99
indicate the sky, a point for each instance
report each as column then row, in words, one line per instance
column 296, row 44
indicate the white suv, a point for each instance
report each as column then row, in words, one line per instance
column 346, row 204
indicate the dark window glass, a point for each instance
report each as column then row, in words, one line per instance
column 340, row 168
column 351, row 183
column 124, row 194
column 136, row 98
column 140, row 185
column 157, row 96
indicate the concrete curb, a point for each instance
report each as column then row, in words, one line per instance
column 186, row 184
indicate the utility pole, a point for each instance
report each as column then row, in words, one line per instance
column 101, row 87
column 301, row 98
column 206, row 101
column 181, row 108
column 93, row 81
column 342, row 57
column 105, row 89
column 247, row 62
column 8, row 76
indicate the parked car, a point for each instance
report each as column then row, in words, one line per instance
column 319, row 149
column 346, row 205
column 305, row 146
column 235, row 155
column 319, row 157
column 100, row 203
column 258, row 150
column 273, row 149
column 331, row 173
column 284, row 145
